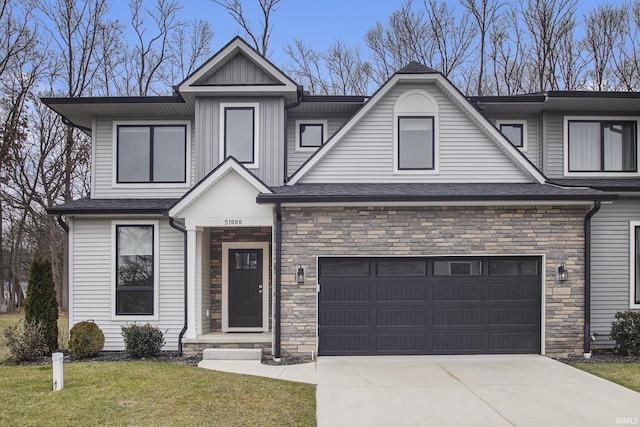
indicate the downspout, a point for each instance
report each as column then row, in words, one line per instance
column 587, row 278
column 277, row 315
column 184, row 328
column 63, row 224
column 286, row 131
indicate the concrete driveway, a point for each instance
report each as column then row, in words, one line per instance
column 525, row 390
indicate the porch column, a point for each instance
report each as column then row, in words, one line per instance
column 192, row 268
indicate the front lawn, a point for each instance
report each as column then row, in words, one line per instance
column 625, row 374
column 149, row 393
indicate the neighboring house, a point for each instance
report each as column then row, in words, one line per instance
column 242, row 212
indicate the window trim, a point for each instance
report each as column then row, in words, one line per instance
column 156, row 269
column 155, row 185
column 522, row 123
column 602, row 174
column 632, row 265
column 325, row 131
column 409, row 104
column 256, row 126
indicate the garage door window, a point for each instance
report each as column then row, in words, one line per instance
column 513, row 268
column 457, row 268
column 340, row 267
column 394, row 268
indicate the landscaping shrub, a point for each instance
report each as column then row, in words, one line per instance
column 40, row 304
column 142, row 340
column 25, row 341
column 86, row 340
column 625, row 330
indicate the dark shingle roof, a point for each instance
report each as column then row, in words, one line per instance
column 415, row 68
column 113, row 206
column 604, row 184
column 424, row 192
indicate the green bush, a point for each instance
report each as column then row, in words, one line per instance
column 625, row 330
column 40, row 304
column 25, row 341
column 86, row 340
column 142, row 340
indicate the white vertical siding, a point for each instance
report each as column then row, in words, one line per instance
column 610, row 270
column 554, row 139
column 93, row 283
column 240, row 70
column 270, row 134
column 365, row 154
column 295, row 159
column 104, row 169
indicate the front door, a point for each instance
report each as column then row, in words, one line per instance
column 246, row 288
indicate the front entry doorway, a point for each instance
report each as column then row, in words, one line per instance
column 245, row 276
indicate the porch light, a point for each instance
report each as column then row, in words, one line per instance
column 300, row 275
column 563, row 274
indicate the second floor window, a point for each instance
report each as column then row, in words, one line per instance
column 602, row 146
column 151, row 154
column 239, row 134
column 415, row 143
column 514, row 133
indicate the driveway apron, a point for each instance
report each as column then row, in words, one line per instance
column 511, row 390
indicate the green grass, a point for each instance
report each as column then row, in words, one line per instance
column 148, row 393
column 625, row 374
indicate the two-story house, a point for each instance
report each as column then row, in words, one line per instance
column 242, row 212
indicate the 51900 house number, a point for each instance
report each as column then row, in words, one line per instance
column 232, row 221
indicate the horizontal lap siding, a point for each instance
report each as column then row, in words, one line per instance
column 104, row 168
column 93, row 283
column 295, row 159
column 365, row 154
column 610, row 275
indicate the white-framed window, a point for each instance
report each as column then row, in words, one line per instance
column 135, row 274
column 239, row 126
column 601, row 146
column 515, row 131
column 634, row 263
column 415, row 133
column 156, row 153
column 310, row 134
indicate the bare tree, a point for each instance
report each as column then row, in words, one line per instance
column 548, row 22
column 189, row 45
column 259, row 36
column 151, row 51
column 571, row 63
column 407, row 38
column 603, row 28
column 307, row 67
column 485, row 14
column 453, row 37
column 626, row 58
column 506, row 56
column 20, row 62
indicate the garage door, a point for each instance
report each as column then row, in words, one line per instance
column 371, row 306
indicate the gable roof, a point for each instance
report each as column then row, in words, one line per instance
column 229, row 165
column 272, row 81
column 415, row 72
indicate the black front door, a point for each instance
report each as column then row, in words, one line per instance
column 245, row 288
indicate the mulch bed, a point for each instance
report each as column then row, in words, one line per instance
column 601, row 356
column 114, row 356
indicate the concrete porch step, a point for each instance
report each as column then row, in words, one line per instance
column 232, row 354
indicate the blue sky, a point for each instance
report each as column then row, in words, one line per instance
column 318, row 23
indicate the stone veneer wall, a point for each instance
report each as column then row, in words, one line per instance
column 557, row 232
column 218, row 236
